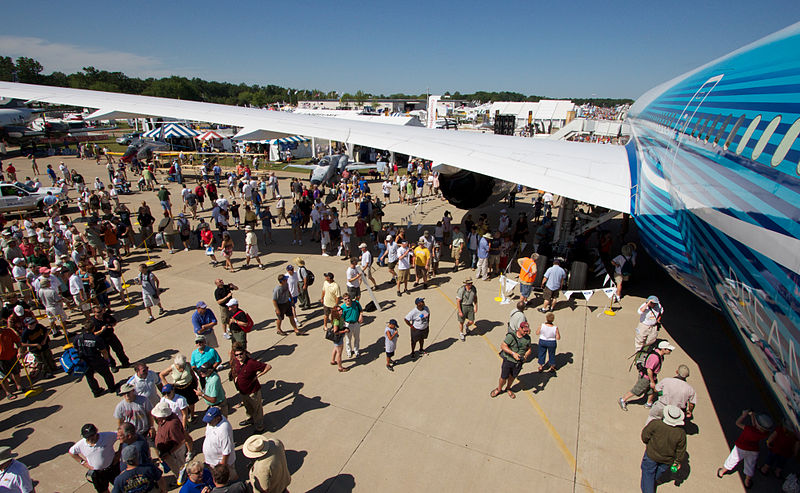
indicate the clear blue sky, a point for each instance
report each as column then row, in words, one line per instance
column 554, row 49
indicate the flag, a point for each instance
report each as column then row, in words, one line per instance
column 587, row 294
column 568, row 294
column 609, row 292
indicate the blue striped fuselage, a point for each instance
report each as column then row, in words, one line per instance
column 715, row 166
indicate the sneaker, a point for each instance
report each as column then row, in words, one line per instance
column 172, row 251
column 226, row 335
column 294, row 242
column 149, row 320
column 189, row 455
column 325, row 255
column 161, row 311
column 542, row 310
column 300, row 242
column 622, row 404
column 399, row 293
column 648, row 405
column 185, row 249
column 356, row 354
column 349, row 354
column 461, row 336
column 389, row 367
column 246, row 422
column 182, row 476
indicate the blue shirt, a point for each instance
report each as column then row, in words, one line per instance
column 210, row 355
column 555, row 276
column 198, row 321
column 192, row 487
column 483, row 248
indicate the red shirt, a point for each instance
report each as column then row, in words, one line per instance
column 207, row 236
column 199, row 191
column 247, row 375
column 749, row 438
column 783, row 443
column 9, row 342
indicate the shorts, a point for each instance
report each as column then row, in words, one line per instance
column 389, row 354
column 224, row 315
column 284, row 309
column 325, row 239
column 469, row 313
column 509, row 369
column 618, row 278
column 117, row 283
column 165, row 205
column 239, row 336
column 392, row 265
column 354, row 292
column 550, row 294
column 55, row 313
column 252, row 251
column 418, row 335
column 403, row 275
column 494, row 260
column 525, row 289
column 6, row 366
column 641, row 387
column 211, row 339
column 326, row 310
column 420, row 271
column 150, row 300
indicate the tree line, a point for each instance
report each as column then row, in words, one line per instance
column 29, row 70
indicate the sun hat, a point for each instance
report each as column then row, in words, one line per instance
column 199, row 337
column 18, row 310
column 764, row 421
column 255, row 447
column 5, row 454
column 488, row 236
column 673, row 415
column 468, row 280
column 161, row 410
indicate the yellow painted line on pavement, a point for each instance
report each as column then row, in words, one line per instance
column 562, row 446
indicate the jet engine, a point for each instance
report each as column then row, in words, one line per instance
column 466, row 189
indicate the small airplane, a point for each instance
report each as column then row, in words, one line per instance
column 143, row 150
column 330, row 168
column 14, row 120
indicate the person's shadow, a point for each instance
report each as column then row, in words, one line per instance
column 340, row 483
column 536, row 381
column 679, row 477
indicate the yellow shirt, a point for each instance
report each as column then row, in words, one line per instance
column 331, row 290
column 421, row 256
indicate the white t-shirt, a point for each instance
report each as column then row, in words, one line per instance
column 366, row 259
column 619, row 261
column 101, row 454
column 419, row 318
column 387, row 187
column 391, row 344
column 547, row 198
column 547, row 332
column 648, row 315
column 16, row 478
column 346, row 232
column 218, row 442
column 75, row 284
column 146, row 387
column 178, row 404
column 351, row 273
column 391, row 251
column 403, row 260
column 292, row 281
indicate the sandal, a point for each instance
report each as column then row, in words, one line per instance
column 282, row 333
column 333, row 362
column 511, row 394
column 12, row 396
column 343, row 369
column 495, row 393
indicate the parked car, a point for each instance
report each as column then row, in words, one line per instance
column 127, row 139
column 21, row 197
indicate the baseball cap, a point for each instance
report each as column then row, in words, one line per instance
column 212, row 413
column 201, row 304
column 166, row 389
column 232, row 301
column 419, row 300
column 666, row 345
column 393, row 322
column 290, row 267
column 654, row 299
column 88, row 430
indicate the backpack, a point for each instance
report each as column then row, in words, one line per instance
column 627, row 268
column 246, row 328
column 72, row 363
column 309, row 276
column 640, row 356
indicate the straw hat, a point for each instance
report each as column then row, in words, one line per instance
column 256, row 446
column 673, row 415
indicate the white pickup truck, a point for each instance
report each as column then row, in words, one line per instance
column 20, row 197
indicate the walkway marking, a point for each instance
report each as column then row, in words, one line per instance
column 562, row 446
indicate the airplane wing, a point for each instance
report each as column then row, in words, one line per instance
column 301, row 166
column 594, row 173
column 360, row 166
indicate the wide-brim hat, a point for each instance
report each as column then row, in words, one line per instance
column 673, row 415
column 5, row 454
column 256, row 446
column 161, row 410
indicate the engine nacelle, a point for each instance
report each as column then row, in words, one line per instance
column 466, row 189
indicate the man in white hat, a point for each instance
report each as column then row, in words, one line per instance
column 650, row 313
column 648, row 376
column 170, row 439
column 270, row 473
column 14, row 476
column 251, row 247
column 467, row 302
column 367, row 264
column 666, row 447
column 483, row 257
column 134, row 409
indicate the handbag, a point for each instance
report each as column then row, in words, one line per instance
column 210, row 251
column 330, row 334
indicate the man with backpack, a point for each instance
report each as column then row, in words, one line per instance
column 648, row 363
column 306, row 280
column 649, row 322
column 241, row 323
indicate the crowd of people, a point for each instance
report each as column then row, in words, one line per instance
column 52, row 267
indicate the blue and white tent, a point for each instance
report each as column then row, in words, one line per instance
column 294, row 139
column 171, row 131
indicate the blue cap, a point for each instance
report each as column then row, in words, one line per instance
column 419, row 300
column 201, row 304
column 290, row 267
column 166, row 389
column 393, row 322
column 212, row 413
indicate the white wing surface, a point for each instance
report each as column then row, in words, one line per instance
column 594, row 173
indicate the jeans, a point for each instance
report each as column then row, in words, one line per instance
column 473, row 256
column 381, row 249
column 547, row 348
column 651, row 470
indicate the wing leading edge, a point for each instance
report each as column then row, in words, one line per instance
column 594, row 173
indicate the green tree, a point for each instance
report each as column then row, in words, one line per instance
column 6, row 68
column 28, row 70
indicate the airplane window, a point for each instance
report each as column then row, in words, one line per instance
column 733, row 131
column 711, row 128
column 722, row 128
column 747, row 134
column 786, row 143
column 765, row 136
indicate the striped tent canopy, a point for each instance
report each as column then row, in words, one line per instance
column 284, row 140
column 210, row 135
column 172, row 131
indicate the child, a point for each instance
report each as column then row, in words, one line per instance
column 436, row 254
column 390, row 336
column 346, row 233
column 235, row 213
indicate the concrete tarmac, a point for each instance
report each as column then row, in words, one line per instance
column 430, row 425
